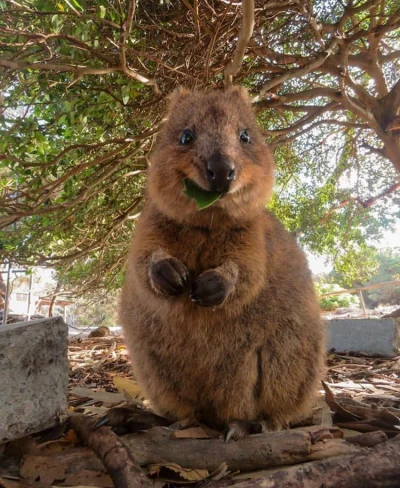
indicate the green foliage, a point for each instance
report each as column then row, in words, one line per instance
column 98, row 309
column 84, row 87
column 389, row 270
column 335, row 301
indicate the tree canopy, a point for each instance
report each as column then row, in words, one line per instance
column 83, row 91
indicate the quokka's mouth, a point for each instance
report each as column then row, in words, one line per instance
column 203, row 198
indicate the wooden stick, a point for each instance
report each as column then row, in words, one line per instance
column 121, row 465
column 370, row 439
column 156, row 446
column 378, row 467
column 355, row 290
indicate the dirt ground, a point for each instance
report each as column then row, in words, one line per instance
column 100, row 378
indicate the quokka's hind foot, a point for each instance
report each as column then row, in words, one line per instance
column 239, row 429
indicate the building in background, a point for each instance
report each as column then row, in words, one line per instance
column 30, row 293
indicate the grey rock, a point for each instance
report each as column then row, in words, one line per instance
column 33, row 376
column 371, row 336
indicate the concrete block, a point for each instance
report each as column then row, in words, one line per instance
column 372, row 336
column 33, row 376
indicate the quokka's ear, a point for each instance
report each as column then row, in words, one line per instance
column 179, row 94
column 237, row 91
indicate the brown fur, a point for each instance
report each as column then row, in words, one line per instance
column 259, row 354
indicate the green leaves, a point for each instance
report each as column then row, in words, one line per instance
column 66, row 168
column 203, row 198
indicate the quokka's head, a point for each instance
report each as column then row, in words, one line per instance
column 212, row 140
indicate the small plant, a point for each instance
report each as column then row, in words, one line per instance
column 333, row 302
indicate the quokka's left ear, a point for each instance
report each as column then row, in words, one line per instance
column 237, row 91
column 179, row 94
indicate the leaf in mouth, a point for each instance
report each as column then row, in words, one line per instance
column 203, row 198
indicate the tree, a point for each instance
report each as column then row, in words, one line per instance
column 389, row 270
column 84, row 86
column 384, row 267
column 98, row 309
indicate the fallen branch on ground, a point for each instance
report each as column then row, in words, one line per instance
column 376, row 467
column 157, row 446
column 116, row 457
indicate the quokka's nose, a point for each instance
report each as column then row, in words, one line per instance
column 220, row 172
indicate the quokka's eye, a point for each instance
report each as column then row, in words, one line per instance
column 187, row 137
column 244, row 136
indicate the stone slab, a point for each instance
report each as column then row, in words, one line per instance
column 372, row 336
column 33, row 376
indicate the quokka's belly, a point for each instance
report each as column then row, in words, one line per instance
column 213, row 377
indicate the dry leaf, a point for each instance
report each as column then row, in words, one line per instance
column 22, row 446
column 322, row 416
column 48, row 469
column 193, row 475
column 371, row 425
column 17, row 483
column 99, row 395
column 349, row 433
column 90, row 410
column 71, row 437
column 349, row 385
column 130, row 389
column 389, row 417
column 50, row 448
column 336, row 407
column 44, row 469
column 89, row 478
column 220, row 473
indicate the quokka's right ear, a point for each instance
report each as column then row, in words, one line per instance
column 179, row 94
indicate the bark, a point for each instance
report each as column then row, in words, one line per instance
column 121, row 465
column 370, row 439
column 53, row 299
column 156, row 446
column 244, row 37
column 372, row 468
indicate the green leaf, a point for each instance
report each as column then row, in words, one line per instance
column 203, row 198
column 102, row 11
column 77, row 4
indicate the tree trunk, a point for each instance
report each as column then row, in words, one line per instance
column 53, row 300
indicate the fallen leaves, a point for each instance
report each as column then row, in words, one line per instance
column 167, row 472
column 55, row 469
column 362, row 417
column 129, row 388
column 360, row 407
column 99, row 395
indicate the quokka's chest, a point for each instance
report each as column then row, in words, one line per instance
column 202, row 248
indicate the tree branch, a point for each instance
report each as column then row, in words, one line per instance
column 303, row 96
column 307, row 120
column 116, row 457
column 245, row 34
column 59, row 68
column 296, row 73
column 363, row 203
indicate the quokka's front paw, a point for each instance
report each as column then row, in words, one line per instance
column 169, row 276
column 210, row 289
